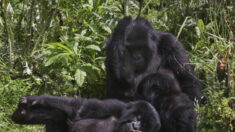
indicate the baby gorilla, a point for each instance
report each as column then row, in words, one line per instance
column 64, row 114
column 175, row 107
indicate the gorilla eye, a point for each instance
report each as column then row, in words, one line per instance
column 131, row 48
column 23, row 112
column 137, row 57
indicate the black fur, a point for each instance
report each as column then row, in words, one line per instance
column 136, row 50
column 86, row 115
column 54, row 120
column 175, row 108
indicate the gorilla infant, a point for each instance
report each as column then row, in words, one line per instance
column 175, row 108
column 64, row 114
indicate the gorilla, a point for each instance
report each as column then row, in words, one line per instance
column 56, row 121
column 175, row 108
column 135, row 50
column 64, row 114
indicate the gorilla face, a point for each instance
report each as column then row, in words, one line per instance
column 136, row 58
column 138, row 47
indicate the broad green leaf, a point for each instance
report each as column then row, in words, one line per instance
column 80, row 77
column 107, row 29
column 61, row 46
column 201, row 25
column 93, row 47
column 55, row 58
column 92, row 72
column 103, row 66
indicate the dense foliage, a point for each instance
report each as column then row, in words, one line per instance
column 57, row 47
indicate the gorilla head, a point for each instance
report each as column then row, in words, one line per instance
column 139, row 46
column 175, row 108
column 155, row 87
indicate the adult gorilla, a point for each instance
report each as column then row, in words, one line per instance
column 136, row 50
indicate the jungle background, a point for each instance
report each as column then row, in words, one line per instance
column 57, row 47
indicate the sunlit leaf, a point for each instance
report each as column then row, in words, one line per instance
column 93, row 47
column 75, row 47
column 201, row 25
column 90, row 2
column 61, row 46
column 55, row 58
column 198, row 31
column 10, row 8
column 107, row 29
column 1, row 23
column 80, row 77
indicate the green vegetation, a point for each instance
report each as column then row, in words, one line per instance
column 57, row 47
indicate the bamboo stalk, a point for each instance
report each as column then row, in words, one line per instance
column 43, row 31
column 9, row 33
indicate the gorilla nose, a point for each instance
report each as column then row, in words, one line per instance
column 137, row 57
